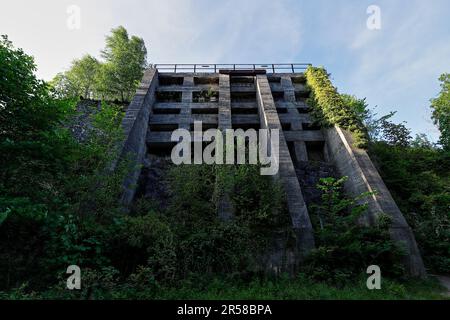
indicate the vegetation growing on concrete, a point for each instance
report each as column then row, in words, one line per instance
column 329, row 108
column 114, row 78
column 54, row 213
column 416, row 171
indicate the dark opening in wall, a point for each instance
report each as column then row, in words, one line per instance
column 168, row 96
column 291, row 148
column 166, row 111
column 170, row 81
column 273, row 79
column 298, row 80
column 311, row 127
column 286, row 126
column 206, row 80
column 242, row 80
column 246, row 126
column 244, row 111
column 243, row 96
column 303, row 110
column 315, row 150
column 205, row 110
column 161, row 149
column 278, row 95
column 282, row 110
column 163, row 127
column 205, row 96
column 205, row 126
column 301, row 95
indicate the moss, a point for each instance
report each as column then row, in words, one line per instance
column 329, row 107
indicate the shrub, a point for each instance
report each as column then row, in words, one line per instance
column 330, row 109
column 345, row 248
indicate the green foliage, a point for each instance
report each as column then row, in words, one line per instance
column 208, row 245
column 329, row 108
column 345, row 247
column 26, row 107
column 104, row 285
column 58, row 206
column 395, row 134
column 441, row 111
column 419, row 180
column 52, row 206
column 421, row 141
column 125, row 59
column 80, row 80
column 117, row 77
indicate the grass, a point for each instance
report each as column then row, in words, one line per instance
column 304, row 289
column 300, row 288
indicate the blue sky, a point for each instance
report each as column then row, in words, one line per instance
column 395, row 68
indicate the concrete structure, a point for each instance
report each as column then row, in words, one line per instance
column 256, row 96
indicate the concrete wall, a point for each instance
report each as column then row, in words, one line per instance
column 301, row 222
column 351, row 162
column 135, row 124
column 363, row 177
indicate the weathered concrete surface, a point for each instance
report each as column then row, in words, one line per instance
column 301, row 222
column 279, row 104
column 363, row 177
column 225, row 208
column 135, row 124
column 309, row 174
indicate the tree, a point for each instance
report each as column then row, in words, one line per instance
column 63, row 87
column 364, row 115
column 380, row 129
column 79, row 80
column 441, row 111
column 83, row 72
column 125, row 60
column 26, row 107
column 421, row 141
column 115, row 78
column 395, row 134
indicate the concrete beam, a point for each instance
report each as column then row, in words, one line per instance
column 298, row 211
column 135, row 125
column 364, row 177
column 225, row 209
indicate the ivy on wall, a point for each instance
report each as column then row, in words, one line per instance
column 329, row 109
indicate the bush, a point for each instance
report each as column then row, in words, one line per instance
column 329, row 107
column 419, row 181
column 345, row 247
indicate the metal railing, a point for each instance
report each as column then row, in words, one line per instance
column 214, row 68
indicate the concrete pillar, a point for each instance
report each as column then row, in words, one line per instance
column 298, row 211
column 225, row 208
column 300, row 151
column 135, row 126
column 364, row 177
column 289, row 90
column 289, row 97
column 186, row 99
column 224, row 102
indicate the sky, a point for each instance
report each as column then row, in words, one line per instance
column 395, row 66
